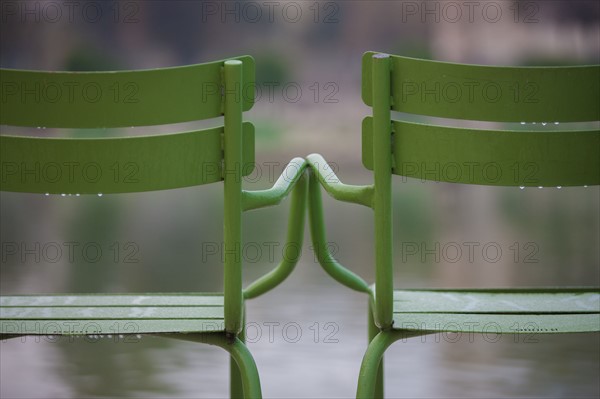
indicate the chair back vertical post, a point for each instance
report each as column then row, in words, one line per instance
column 382, row 201
column 232, row 174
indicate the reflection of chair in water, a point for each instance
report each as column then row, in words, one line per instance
column 519, row 158
column 226, row 153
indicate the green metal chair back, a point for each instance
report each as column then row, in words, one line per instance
column 146, row 163
column 513, row 154
column 142, row 163
column 517, row 156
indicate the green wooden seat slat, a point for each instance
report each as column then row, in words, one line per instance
column 183, row 299
column 490, row 157
column 117, row 165
column 498, row 323
column 517, row 302
column 489, row 93
column 118, row 98
column 106, row 326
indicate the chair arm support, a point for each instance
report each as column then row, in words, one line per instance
column 319, row 240
column 295, row 230
column 282, row 187
column 362, row 195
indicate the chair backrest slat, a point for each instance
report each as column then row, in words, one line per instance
column 490, row 157
column 117, row 165
column 118, row 99
column 489, row 93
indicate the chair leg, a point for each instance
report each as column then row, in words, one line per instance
column 236, row 389
column 246, row 367
column 369, row 369
column 248, row 373
column 373, row 331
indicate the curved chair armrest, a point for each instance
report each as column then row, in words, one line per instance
column 362, row 195
column 282, row 187
column 295, row 230
column 319, row 238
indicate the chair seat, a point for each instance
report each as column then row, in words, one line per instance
column 498, row 311
column 94, row 314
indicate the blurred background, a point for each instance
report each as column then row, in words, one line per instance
column 308, row 335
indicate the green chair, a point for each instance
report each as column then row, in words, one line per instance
column 159, row 162
column 547, row 158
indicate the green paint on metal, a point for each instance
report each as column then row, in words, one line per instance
column 498, row 323
column 107, row 326
column 362, row 195
column 282, row 187
column 368, row 380
column 239, row 352
column 517, row 302
column 373, row 330
column 319, row 240
column 118, row 98
column 236, row 388
column 518, row 158
column 111, row 313
column 232, row 219
column 295, row 233
column 523, row 158
column 382, row 199
column 134, row 164
column 489, row 93
column 145, row 299
column 491, row 157
column 93, row 314
column 117, row 165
